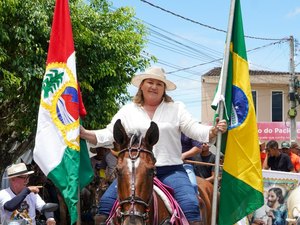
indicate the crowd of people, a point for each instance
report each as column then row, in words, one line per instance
column 285, row 159
column 181, row 138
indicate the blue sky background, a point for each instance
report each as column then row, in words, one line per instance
column 178, row 43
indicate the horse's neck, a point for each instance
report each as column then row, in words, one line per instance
column 158, row 210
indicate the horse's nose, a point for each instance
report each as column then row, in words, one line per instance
column 133, row 220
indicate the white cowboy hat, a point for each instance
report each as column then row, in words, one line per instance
column 16, row 170
column 157, row 73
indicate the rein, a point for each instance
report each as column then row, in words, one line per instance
column 133, row 199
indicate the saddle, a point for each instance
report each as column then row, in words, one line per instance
column 178, row 216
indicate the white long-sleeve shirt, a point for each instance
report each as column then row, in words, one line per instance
column 172, row 118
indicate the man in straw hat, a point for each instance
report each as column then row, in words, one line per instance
column 152, row 103
column 19, row 202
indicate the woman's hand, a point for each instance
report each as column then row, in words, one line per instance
column 88, row 135
column 221, row 125
column 83, row 132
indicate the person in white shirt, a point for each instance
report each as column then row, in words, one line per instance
column 151, row 103
column 18, row 202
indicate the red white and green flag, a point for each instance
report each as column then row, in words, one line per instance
column 241, row 190
column 58, row 151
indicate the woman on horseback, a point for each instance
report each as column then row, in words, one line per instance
column 151, row 103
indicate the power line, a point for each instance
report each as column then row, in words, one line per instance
column 280, row 41
column 184, row 39
column 191, row 67
column 166, row 42
column 205, row 25
column 220, row 59
column 182, row 47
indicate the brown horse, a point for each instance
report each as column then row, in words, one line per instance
column 136, row 171
column 138, row 203
column 205, row 189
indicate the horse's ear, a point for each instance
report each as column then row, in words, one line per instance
column 152, row 134
column 119, row 133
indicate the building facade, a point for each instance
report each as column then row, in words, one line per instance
column 270, row 92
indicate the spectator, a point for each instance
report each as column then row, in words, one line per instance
column 263, row 154
column 295, row 148
column 190, row 148
column 19, row 202
column 206, row 156
column 285, row 148
column 104, row 163
column 276, row 160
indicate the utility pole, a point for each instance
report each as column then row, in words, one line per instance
column 292, row 112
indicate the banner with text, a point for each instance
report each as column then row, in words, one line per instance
column 278, row 131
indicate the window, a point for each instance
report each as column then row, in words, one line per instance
column 277, row 106
column 254, row 99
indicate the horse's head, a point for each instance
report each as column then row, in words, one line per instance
column 135, row 170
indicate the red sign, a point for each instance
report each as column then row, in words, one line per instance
column 276, row 131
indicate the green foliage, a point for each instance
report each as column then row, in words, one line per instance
column 107, row 44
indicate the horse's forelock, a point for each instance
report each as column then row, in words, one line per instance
column 135, row 138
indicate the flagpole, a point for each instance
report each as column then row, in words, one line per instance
column 78, row 222
column 221, row 110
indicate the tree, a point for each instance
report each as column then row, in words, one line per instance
column 107, row 44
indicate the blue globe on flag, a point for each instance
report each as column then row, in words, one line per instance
column 240, row 107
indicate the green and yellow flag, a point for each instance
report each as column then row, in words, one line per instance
column 242, row 183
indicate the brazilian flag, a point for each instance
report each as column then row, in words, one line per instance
column 241, row 190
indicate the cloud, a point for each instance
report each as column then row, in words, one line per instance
column 295, row 12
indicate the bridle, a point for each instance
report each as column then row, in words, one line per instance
column 133, row 199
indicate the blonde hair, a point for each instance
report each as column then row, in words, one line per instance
column 139, row 98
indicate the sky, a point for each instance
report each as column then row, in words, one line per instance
column 191, row 34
